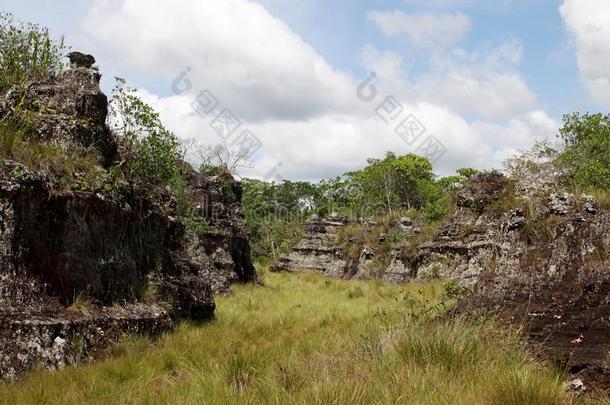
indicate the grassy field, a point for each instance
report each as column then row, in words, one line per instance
column 302, row 338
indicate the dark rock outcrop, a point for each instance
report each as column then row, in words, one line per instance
column 81, row 60
column 80, row 268
column 552, row 276
column 223, row 251
column 482, row 190
column 63, row 250
column 67, row 110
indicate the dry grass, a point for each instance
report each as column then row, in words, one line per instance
column 348, row 232
column 602, row 197
column 304, row 339
column 65, row 167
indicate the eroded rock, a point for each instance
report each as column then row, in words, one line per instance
column 318, row 251
column 81, row 268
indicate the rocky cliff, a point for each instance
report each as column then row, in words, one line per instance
column 536, row 258
column 83, row 264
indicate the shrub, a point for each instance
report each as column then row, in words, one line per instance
column 437, row 210
column 150, row 150
column 587, row 149
column 27, row 52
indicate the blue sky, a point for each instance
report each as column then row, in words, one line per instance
column 485, row 77
column 338, row 29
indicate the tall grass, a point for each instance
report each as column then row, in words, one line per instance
column 63, row 166
column 305, row 339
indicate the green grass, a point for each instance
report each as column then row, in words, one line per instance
column 64, row 166
column 304, row 339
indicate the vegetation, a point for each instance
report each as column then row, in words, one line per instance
column 586, row 156
column 398, row 183
column 300, row 338
column 304, row 339
column 275, row 214
column 393, row 185
column 150, row 151
column 76, row 168
column 27, row 52
column 151, row 154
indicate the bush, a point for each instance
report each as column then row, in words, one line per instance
column 27, row 52
column 586, row 157
column 437, row 210
column 150, row 150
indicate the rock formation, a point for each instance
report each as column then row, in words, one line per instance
column 69, row 109
column 356, row 254
column 81, row 267
column 537, row 259
column 318, row 251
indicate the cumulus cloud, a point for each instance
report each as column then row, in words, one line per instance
column 424, row 30
column 495, row 5
column 302, row 108
column 484, row 84
column 589, row 24
column 235, row 47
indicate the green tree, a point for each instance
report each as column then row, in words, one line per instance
column 275, row 214
column 413, row 180
column 467, row 172
column 586, row 156
column 393, row 182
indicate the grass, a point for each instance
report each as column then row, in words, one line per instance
column 65, row 167
column 602, row 197
column 80, row 303
column 304, row 339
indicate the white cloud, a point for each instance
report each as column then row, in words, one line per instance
column 484, row 84
column 589, row 24
column 303, row 109
column 234, row 47
column 423, row 30
column 492, row 5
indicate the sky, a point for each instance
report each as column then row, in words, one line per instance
column 310, row 89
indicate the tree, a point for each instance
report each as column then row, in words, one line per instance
column 413, row 180
column 393, row 182
column 275, row 214
column 586, row 156
column 220, row 155
column 467, row 172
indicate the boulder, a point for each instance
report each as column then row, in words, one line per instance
column 481, row 190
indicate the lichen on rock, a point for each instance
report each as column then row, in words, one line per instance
column 82, row 266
